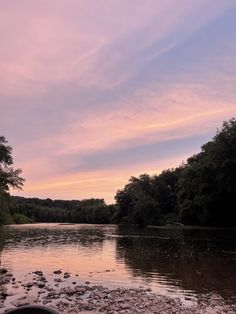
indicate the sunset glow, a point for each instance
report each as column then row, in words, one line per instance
column 94, row 92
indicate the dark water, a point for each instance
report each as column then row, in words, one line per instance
column 178, row 262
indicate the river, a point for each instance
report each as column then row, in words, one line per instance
column 188, row 263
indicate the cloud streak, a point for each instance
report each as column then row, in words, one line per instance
column 94, row 92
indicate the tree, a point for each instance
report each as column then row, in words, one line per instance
column 201, row 191
column 149, row 200
column 207, row 186
column 9, row 178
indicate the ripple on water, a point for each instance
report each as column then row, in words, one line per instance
column 183, row 262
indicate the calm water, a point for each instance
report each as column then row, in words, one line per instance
column 178, row 262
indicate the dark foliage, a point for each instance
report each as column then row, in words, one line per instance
column 9, row 178
column 48, row 210
column 200, row 192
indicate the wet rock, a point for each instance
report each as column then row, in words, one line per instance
column 3, row 271
column 188, row 298
column 38, row 272
column 66, row 275
column 57, row 272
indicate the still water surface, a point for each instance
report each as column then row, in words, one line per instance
column 178, row 262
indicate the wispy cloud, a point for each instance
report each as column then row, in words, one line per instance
column 86, row 87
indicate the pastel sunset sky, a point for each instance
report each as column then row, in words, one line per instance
column 94, row 91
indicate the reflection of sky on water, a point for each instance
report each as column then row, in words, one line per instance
column 170, row 261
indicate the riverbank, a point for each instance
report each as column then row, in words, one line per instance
column 70, row 296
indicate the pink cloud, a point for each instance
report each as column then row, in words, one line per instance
column 76, row 63
column 55, row 41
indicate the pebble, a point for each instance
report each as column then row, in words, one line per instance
column 3, row 271
column 41, row 284
column 57, row 279
column 87, row 299
column 38, row 272
column 66, row 275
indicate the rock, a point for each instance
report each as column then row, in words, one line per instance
column 5, row 280
column 57, row 279
column 57, row 272
column 3, row 271
column 188, row 298
column 80, row 290
column 9, row 274
column 26, row 300
column 66, row 275
column 38, row 272
column 68, row 291
column 125, row 306
column 3, row 291
column 29, row 284
column 41, row 284
column 75, row 299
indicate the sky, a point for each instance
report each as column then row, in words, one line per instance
column 94, row 92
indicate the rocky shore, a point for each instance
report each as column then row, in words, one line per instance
column 70, row 296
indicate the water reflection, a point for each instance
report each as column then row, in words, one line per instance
column 201, row 261
column 51, row 235
column 190, row 261
column 2, row 242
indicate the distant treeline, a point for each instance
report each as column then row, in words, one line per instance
column 94, row 211
column 201, row 191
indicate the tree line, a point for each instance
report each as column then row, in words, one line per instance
column 201, row 191
column 93, row 211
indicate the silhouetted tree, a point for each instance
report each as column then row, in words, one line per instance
column 9, row 178
column 207, row 186
column 199, row 192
